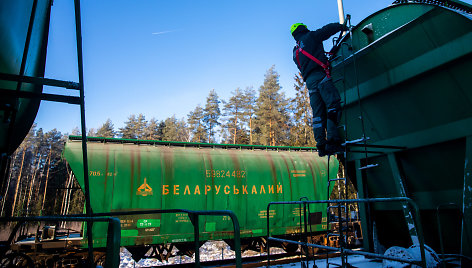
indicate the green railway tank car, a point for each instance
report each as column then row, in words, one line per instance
column 18, row 114
column 405, row 77
column 127, row 175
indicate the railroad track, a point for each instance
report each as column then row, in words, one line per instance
column 257, row 261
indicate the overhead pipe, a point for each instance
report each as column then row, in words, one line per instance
column 341, row 11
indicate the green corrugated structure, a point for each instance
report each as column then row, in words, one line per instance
column 127, row 175
column 406, row 71
column 16, row 118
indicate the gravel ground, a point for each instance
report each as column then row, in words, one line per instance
column 211, row 250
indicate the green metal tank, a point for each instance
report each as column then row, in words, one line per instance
column 406, row 71
column 127, row 175
column 17, row 115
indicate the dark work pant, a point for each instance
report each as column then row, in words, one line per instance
column 326, row 105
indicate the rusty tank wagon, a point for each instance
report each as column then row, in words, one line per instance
column 130, row 175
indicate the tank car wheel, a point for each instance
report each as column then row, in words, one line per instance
column 100, row 259
column 313, row 240
column 289, row 247
column 16, row 260
column 161, row 252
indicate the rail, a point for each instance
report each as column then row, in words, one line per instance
column 194, row 216
column 412, row 204
column 113, row 236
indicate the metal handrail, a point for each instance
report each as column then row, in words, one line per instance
column 113, row 237
column 194, row 216
column 441, row 241
column 413, row 205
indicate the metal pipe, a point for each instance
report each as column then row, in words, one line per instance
column 40, row 96
column 417, row 217
column 438, row 210
column 234, row 218
column 341, row 11
column 268, row 236
column 368, row 254
column 305, row 226
column 196, row 233
column 39, row 81
column 88, row 207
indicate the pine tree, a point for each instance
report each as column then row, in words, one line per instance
column 271, row 112
column 175, row 130
column 302, row 132
column 233, row 110
column 129, row 130
column 211, row 114
column 106, row 130
column 91, row 132
column 249, row 111
column 153, row 130
column 196, row 125
column 141, row 125
column 19, row 170
column 134, row 128
column 54, row 167
column 76, row 131
column 35, row 163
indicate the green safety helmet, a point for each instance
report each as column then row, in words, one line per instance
column 295, row 26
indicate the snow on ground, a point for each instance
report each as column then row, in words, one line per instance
column 211, row 250
column 355, row 260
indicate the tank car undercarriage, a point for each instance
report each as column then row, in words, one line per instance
column 55, row 247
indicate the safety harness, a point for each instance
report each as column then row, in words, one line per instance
column 326, row 66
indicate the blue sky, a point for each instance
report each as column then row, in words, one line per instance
column 161, row 58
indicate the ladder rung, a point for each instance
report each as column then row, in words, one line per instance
column 368, row 166
column 338, row 179
column 336, row 264
column 337, row 57
column 356, row 141
column 378, row 146
column 336, row 207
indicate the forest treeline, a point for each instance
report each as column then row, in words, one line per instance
column 265, row 117
column 40, row 183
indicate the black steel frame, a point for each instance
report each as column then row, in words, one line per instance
column 21, row 78
column 345, row 251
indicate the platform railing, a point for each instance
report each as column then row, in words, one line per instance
column 113, row 236
column 194, row 218
column 413, row 206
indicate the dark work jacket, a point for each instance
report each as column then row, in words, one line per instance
column 312, row 42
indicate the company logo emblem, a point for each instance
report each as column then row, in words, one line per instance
column 144, row 189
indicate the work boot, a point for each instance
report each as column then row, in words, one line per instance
column 322, row 150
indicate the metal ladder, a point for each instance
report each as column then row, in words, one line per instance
column 342, row 210
column 361, row 165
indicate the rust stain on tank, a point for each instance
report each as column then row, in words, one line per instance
column 132, row 170
column 270, row 160
column 312, row 171
column 168, row 177
column 207, row 156
column 107, row 160
column 282, row 155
